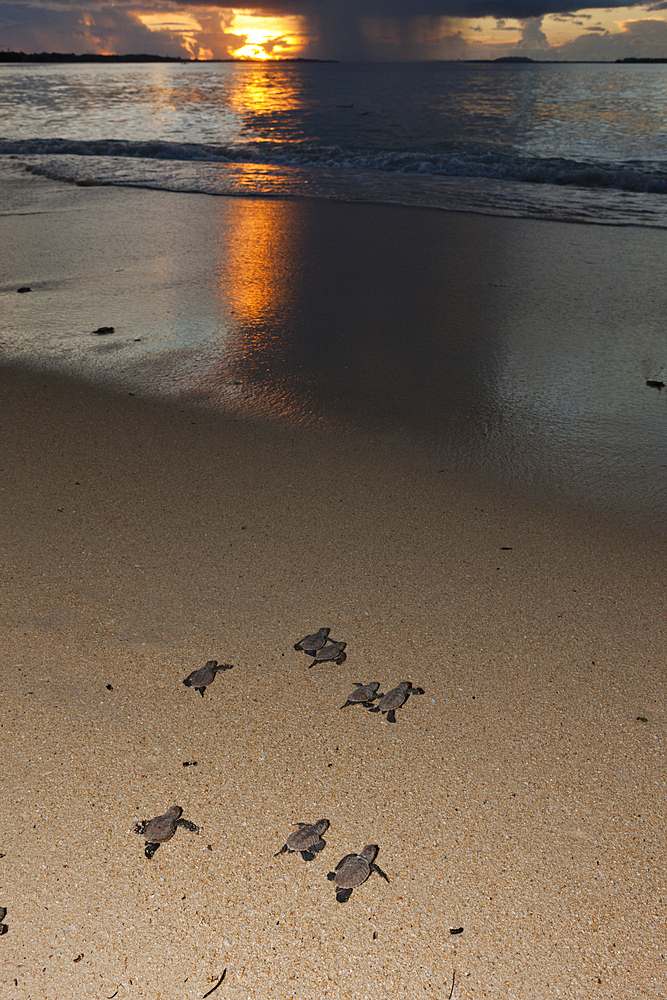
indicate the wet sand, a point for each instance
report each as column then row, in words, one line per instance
column 521, row 798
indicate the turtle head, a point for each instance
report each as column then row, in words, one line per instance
column 369, row 852
column 175, row 812
column 321, row 826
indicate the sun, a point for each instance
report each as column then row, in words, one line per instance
column 267, row 37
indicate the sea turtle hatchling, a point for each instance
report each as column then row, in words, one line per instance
column 363, row 694
column 354, row 869
column 311, row 643
column 393, row 699
column 3, row 914
column 162, row 828
column 307, row 840
column 332, row 651
column 200, row 679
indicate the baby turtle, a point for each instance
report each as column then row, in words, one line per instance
column 307, row 840
column 199, row 679
column 3, row 914
column 354, row 869
column 311, row 643
column 364, row 694
column 162, row 828
column 332, row 651
column 395, row 698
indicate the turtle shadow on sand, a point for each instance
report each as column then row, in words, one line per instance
column 307, row 840
column 393, row 699
column 200, row 679
column 353, row 870
column 162, row 828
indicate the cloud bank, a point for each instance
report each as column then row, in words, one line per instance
column 333, row 29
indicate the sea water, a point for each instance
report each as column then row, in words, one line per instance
column 574, row 142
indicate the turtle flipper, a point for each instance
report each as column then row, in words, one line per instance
column 150, row 850
column 187, row 825
column 140, row 827
column 342, row 895
column 374, row 709
column 391, row 715
column 308, row 855
column 201, row 690
column 282, row 850
column 348, row 702
column 376, row 868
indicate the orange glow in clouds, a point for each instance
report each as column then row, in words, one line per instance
column 237, row 34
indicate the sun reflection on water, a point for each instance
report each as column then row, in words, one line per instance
column 260, row 260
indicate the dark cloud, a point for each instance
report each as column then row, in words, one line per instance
column 77, row 29
column 342, row 26
column 102, row 28
column 336, row 29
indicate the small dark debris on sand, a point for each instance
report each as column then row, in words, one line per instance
column 24, row 288
column 102, row 330
column 214, row 988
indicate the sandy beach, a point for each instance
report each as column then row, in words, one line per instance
column 520, row 801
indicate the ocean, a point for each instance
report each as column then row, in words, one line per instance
column 571, row 142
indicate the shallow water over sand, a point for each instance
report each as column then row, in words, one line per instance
column 516, row 350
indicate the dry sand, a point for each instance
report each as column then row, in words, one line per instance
column 520, row 799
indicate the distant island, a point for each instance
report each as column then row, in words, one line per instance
column 94, row 57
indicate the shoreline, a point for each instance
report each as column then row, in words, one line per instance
column 521, row 364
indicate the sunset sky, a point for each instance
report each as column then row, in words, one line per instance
column 338, row 29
